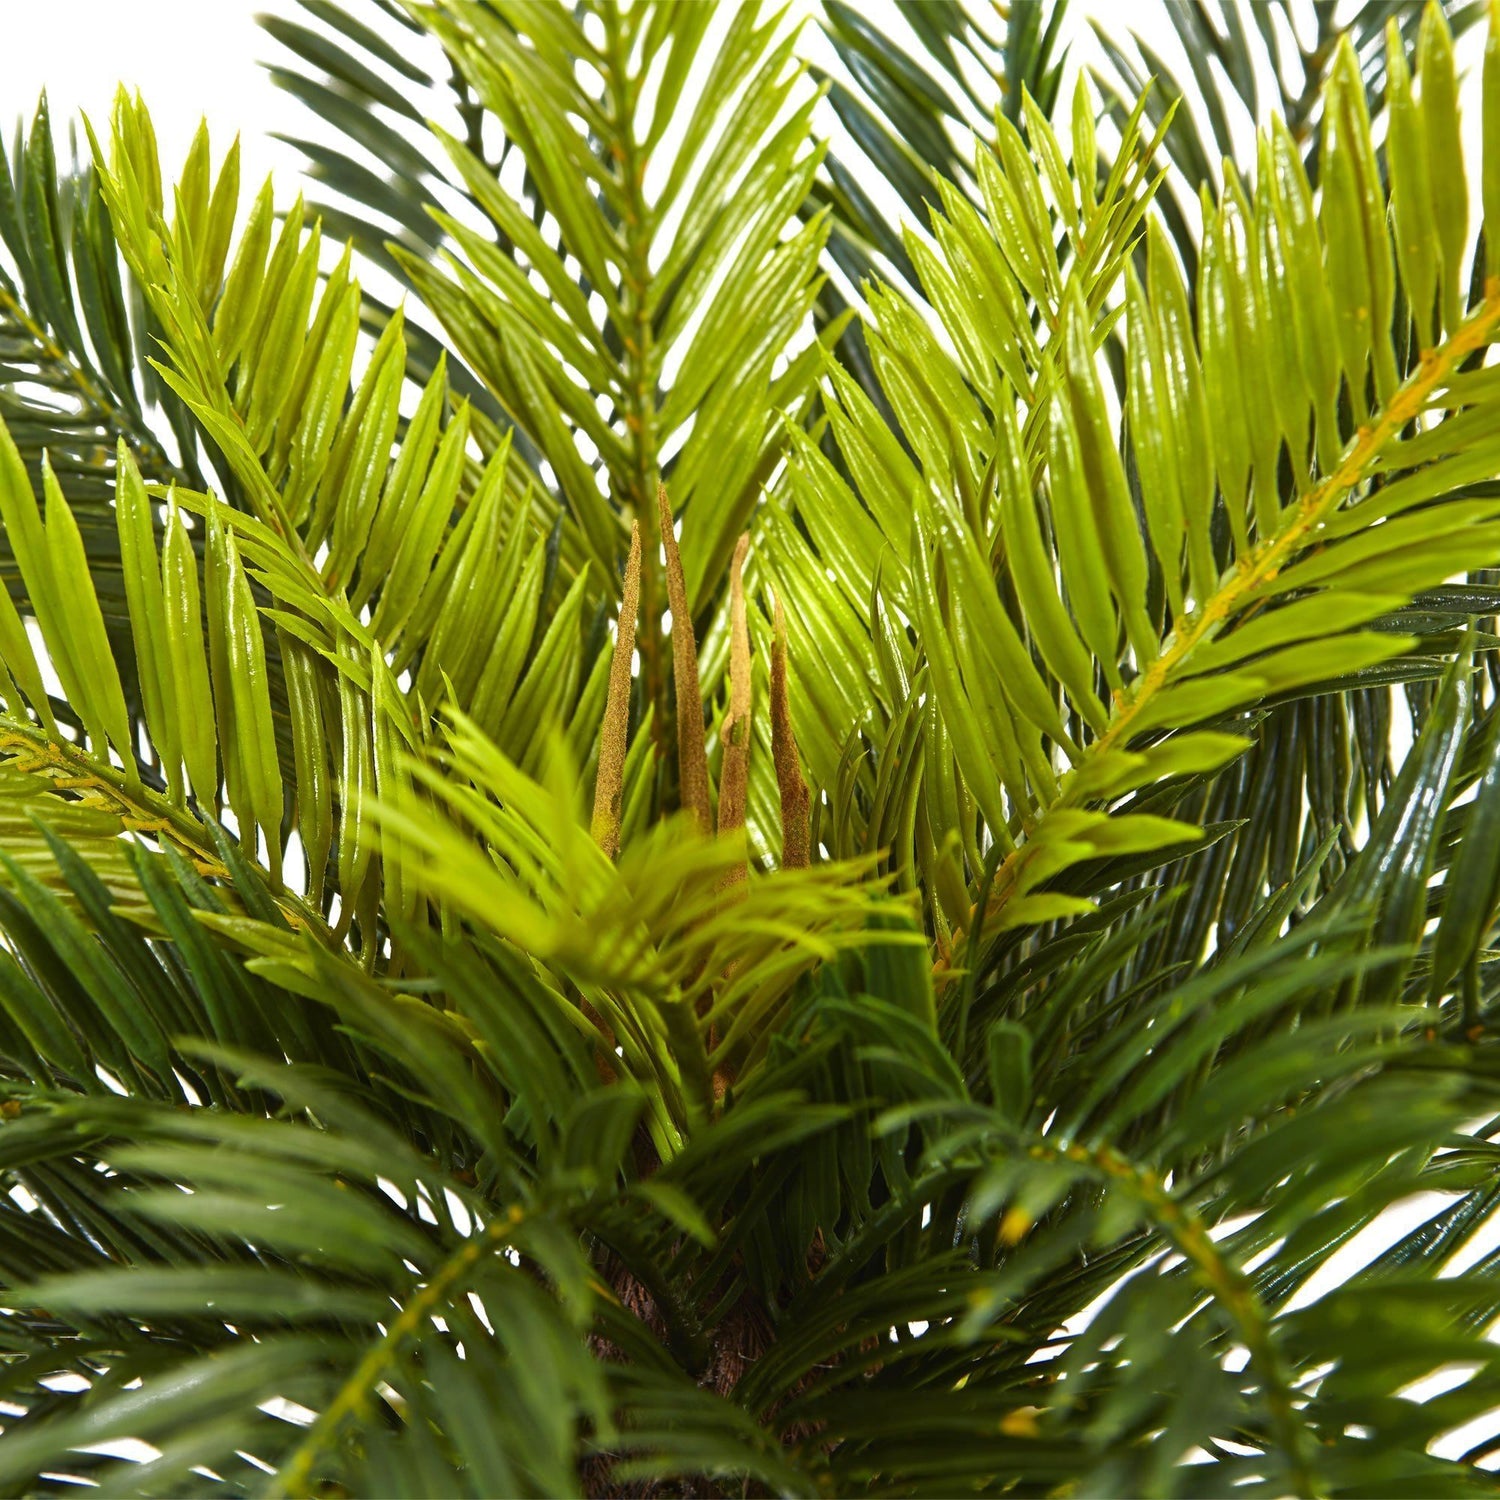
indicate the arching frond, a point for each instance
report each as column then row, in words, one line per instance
column 76, row 377
column 1125, row 630
column 664, row 328
column 370, row 78
column 267, row 658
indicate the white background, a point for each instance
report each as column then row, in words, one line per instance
column 191, row 59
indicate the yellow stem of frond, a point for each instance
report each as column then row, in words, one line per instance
column 1261, row 563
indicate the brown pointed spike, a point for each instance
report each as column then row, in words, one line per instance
column 692, row 757
column 795, row 839
column 735, row 733
column 614, row 735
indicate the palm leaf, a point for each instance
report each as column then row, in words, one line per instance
column 363, row 73
column 1244, row 66
column 1075, row 978
column 1121, row 594
column 909, row 106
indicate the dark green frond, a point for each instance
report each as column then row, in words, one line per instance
column 1242, row 65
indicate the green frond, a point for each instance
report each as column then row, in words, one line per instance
column 1249, row 65
column 1188, row 602
column 368, row 78
column 76, row 377
column 674, row 348
column 908, row 105
column 1015, row 1014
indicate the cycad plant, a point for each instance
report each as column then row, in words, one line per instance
column 653, row 873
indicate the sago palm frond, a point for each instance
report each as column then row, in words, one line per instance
column 75, row 341
column 370, row 78
column 933, row 979
column 909, row 109
column 1257, row 517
